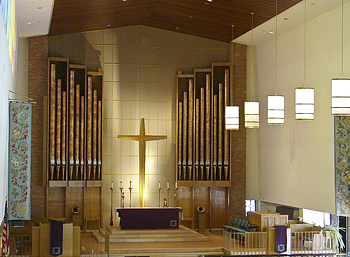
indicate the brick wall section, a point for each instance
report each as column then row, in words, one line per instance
column 37, row 89
column 238, row 58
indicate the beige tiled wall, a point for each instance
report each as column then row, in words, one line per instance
column 140, row 66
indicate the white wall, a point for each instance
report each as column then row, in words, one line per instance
column 21, row 86
column 252, row 151
column 5, row 85
column 296, row 160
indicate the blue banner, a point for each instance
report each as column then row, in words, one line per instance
column 19, row 161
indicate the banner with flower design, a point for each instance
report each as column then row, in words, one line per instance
column 342, row 164
column 19, row 161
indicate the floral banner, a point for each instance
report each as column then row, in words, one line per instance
column 342, row 164
column 19, row 161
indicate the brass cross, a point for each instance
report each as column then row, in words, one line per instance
column 142, row 138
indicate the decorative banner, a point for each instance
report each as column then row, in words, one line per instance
column 342, row 167
column 19, row 161
column 280, row 239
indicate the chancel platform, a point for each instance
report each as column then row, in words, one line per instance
column 148, row 218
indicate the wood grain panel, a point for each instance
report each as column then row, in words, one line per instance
column 195, row 17
column 218, row 207
column 92, row 202
column 201, row 197
column 56, row 199
column 184, row 200
column 75, row 197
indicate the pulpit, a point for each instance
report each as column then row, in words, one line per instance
column 149, row 218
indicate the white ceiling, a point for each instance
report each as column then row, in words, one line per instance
column 37, row 13
column 289, row 19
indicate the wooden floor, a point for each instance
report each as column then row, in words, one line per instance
column 212, row 245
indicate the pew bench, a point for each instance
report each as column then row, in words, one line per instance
column 240, row 225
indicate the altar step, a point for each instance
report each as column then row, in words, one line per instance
column 181, row 234
column 190, row 252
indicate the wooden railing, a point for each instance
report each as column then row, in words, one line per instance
column 307, row 243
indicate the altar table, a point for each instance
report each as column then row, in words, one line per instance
column 148, row 218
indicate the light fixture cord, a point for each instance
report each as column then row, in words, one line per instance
column 305, row 46
column 252, row 70
column 276, row 52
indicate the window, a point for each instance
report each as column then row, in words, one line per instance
column 250, row 205
column 315, row 217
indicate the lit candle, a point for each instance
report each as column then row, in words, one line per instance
column 176, row 185
column 167, row 185
column 130, row 183
column 159, row 184
column 112, row 185
column 121, row 184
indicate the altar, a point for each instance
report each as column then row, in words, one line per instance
column 148, row 218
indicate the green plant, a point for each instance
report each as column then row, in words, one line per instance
column 337, row 238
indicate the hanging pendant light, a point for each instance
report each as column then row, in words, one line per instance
column 341, row 86
column 232, row 112
column 275, row 103
column 304, row 103
column 231, row 117
column 251, row 109
column 304, row 97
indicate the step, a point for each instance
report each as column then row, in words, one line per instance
column 216, row 251
column 182, row 234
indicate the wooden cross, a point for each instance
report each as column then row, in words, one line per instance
column 142, row 138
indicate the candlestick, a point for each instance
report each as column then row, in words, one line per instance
column 159, row 188
column 168, row 189
column 121, row 194
column 167, row 185
column 111, row 218
column 130, row 188
column 175, row 195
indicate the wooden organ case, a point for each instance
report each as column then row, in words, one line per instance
column 73, row 143
column 203, row 145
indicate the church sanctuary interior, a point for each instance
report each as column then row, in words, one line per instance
column 174, row 128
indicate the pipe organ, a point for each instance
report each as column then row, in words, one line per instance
column 73, row 159
column 203, row 145
column 203, row 170
column 74, row 119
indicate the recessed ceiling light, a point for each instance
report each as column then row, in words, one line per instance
column 208, row 1
column 29, row 23
column 177, row 28
column 271, row 32
column 108, row 25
